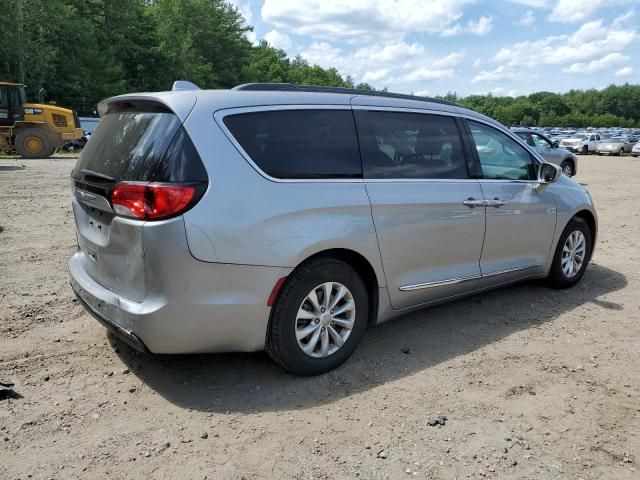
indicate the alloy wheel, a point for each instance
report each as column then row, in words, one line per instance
column 325, row 319
column 573, row 253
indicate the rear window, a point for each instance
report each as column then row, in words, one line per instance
column 299, row 143
column 140, row 146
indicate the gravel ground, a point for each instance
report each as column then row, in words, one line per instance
column 535, row 383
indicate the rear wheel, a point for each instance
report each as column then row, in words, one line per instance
column 567, row 168
column 319, row 318
column 572, row 254
column 33, row 143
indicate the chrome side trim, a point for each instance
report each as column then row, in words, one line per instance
column 441, row 283
column 453, row 281
column 510, row 270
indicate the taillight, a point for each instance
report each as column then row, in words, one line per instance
column 152, row 201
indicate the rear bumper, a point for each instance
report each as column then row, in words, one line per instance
column 122, row 333
column 189, row 306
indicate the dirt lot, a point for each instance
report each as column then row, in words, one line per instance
column 535, row 383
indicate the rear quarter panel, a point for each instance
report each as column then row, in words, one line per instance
column 245, row 218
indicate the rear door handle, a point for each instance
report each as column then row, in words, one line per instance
column 472, row 203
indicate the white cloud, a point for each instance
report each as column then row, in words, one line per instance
column 449, row 61
column 624, row 72
column 500, row 74
column 424, row 74
column 397, row 63
column 380, row 75
column 604, row 63
column 573, row 11
column 623, row 20
column 527, row 19
column 590, row 41
column 477, row 63
column 358, row 19
column 422, row 93
column 451, row 31
column 533, row 3
column 480, row 27
column 278, row 40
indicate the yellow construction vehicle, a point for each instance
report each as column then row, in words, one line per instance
column 34, row 130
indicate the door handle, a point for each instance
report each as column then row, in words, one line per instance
column 472, row 203
column 496, row 202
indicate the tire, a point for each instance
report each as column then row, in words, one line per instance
column 585, row 150
column 557, row 277
column 621, row 152
column 283, row 345
column 33, row 143
column 567, row 168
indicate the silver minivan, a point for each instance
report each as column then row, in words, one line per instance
column 290, row 218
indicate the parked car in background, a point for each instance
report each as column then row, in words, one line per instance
column 290, row 218
column 616, row 145
column 550, row 152
column 581, row 143
column 635, row 151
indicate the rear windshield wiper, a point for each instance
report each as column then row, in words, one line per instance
column 98, row 175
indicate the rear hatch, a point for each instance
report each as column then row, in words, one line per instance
column 139, row 166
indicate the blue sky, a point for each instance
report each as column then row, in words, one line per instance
column 429, row 47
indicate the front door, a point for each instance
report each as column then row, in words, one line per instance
column 424, row 204
column 520, row 212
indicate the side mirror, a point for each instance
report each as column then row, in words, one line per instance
column 548, row 173
column 556, row 144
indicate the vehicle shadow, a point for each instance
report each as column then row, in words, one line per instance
column 11, row 168
column 245, row 382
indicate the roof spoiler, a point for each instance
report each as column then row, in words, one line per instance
column 184, row 85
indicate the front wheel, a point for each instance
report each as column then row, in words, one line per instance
column 319, row 317
column 33, row 143
column 567, row 168
column 572, row 254
column 585, row 150
column 621, row 152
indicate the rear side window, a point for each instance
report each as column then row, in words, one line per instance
column 299, row 143
column 410, row 145
column 140, row 146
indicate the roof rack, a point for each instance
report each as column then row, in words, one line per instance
column 290, row 87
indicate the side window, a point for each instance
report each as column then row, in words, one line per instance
column 299, row 143
column 501, row 158
column 15, row 97
column 597, row 137
column 540, row 141
column 410, row 145
column 4, row 97
column 526, row 137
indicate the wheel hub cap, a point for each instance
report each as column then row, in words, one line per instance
column 573, row 253
column 33, row 144
column 325, row 319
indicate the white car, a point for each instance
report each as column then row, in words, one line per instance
column 581, row 143
column 635, row 151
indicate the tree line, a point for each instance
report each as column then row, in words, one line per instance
column 78, row 52
column 613, row 106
